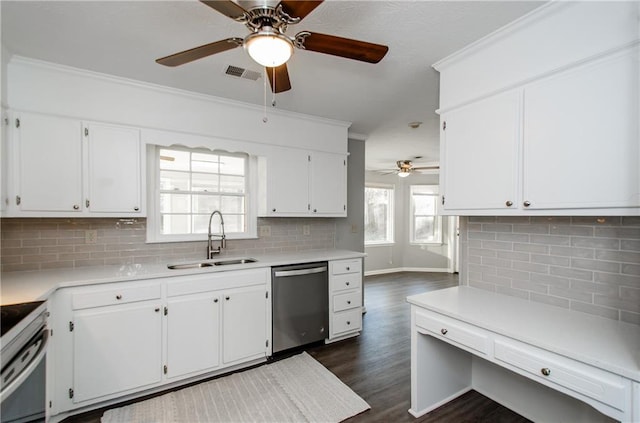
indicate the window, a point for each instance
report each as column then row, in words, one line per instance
column 190, row 185
column 426, row 225
column 378, row 215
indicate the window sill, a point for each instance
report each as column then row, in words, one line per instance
column 379, row 244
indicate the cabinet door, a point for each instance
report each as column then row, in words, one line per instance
column 116, row 349
column 581, row 145
column 193, row 334
column 287, row 185
column 4, row 160
column 113, row 169
column 244, row 321
column 328, row 179
column 49, row 163
column 479, row 148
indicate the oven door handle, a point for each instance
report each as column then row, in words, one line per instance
column 26, row 371
column 283, row 273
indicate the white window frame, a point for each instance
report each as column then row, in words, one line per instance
column 153, row 198
column 390, row 216
column 430, row 190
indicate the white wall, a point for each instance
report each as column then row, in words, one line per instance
column 402, row 255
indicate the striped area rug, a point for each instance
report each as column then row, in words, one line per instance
column 296, row 389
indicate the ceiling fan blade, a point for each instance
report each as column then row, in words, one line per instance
column 343, row 47
column 200, row 52
column 279, row 78
column 299, row 8
column 227, row 8
column 426, row 168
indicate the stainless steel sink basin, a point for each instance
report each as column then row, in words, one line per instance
column 234, row 261
column 189, row 265
column 211, row 263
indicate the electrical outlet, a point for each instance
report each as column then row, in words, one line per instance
column 265, row 230
column 90, row 236
column 354, row 228
column 306, row 230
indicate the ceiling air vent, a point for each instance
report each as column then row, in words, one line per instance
column 242, row 73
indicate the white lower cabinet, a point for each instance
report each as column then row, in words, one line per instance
column 345, row 298
column 113, row 341
column 244, row 323
column 188, row 350
column 115, row 349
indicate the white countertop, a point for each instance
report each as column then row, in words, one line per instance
column 604, row 343
column 20, row 287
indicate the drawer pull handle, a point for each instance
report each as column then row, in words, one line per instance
column 118, row 297
column 443, row 331
column 545, row 371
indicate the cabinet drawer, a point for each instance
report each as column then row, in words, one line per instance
column 347, row 301
column 346, row 321
column 115, row 295
column 348, row 281
column 339, row 267
column 543, row 365
column 454, row 332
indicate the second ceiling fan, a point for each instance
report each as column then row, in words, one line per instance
column 268, row 43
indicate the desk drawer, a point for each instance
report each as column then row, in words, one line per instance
column 454, row 332
column 122, row 294
column 543, row 365
column 347, row 301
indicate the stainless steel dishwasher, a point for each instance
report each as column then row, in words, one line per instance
column 300, row 300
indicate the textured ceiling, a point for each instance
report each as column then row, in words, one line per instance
column 124, row 38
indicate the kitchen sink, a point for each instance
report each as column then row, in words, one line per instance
column 211, row 263
column 189, row 265
column 234, row 261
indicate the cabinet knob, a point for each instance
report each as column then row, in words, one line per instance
column 443, row 331
column 136, row 209
column 226, row 298
column 273, row 210
column 347, row 283
column 118, row 297
column 348, row 268
column 215, row 300
column 348, row 322
column 545, row 371
column 509, row 203
column 315, row 210
column 76, row 207
column 157, row 309
column 348, row 301
column 527, row 203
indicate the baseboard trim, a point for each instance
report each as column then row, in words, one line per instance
column 407, row 269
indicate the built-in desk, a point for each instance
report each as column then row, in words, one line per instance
column 546, row 363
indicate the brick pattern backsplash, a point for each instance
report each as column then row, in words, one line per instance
column 588, row 264
column 40, row 244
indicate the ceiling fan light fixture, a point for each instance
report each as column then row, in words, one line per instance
column 404, row 172
column 269, row 48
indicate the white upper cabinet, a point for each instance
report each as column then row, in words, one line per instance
column 557, row 134
column 113, row 169
column 581, row 137
column 48, row 164
column 482, row 141
column 64, row 168
column 299, row 183
column 328, row 180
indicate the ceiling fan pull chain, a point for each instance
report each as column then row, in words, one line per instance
column 265, row 119
column 273, row 92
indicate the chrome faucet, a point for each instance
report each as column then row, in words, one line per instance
column 223, row 239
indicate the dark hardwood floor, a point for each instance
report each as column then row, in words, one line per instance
column 376, row 364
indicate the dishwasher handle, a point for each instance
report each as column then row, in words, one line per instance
column 309, row 271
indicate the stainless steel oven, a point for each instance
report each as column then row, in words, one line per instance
column 23, row 346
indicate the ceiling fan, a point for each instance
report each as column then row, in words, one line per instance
column 268, row 43
column 406, row 167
